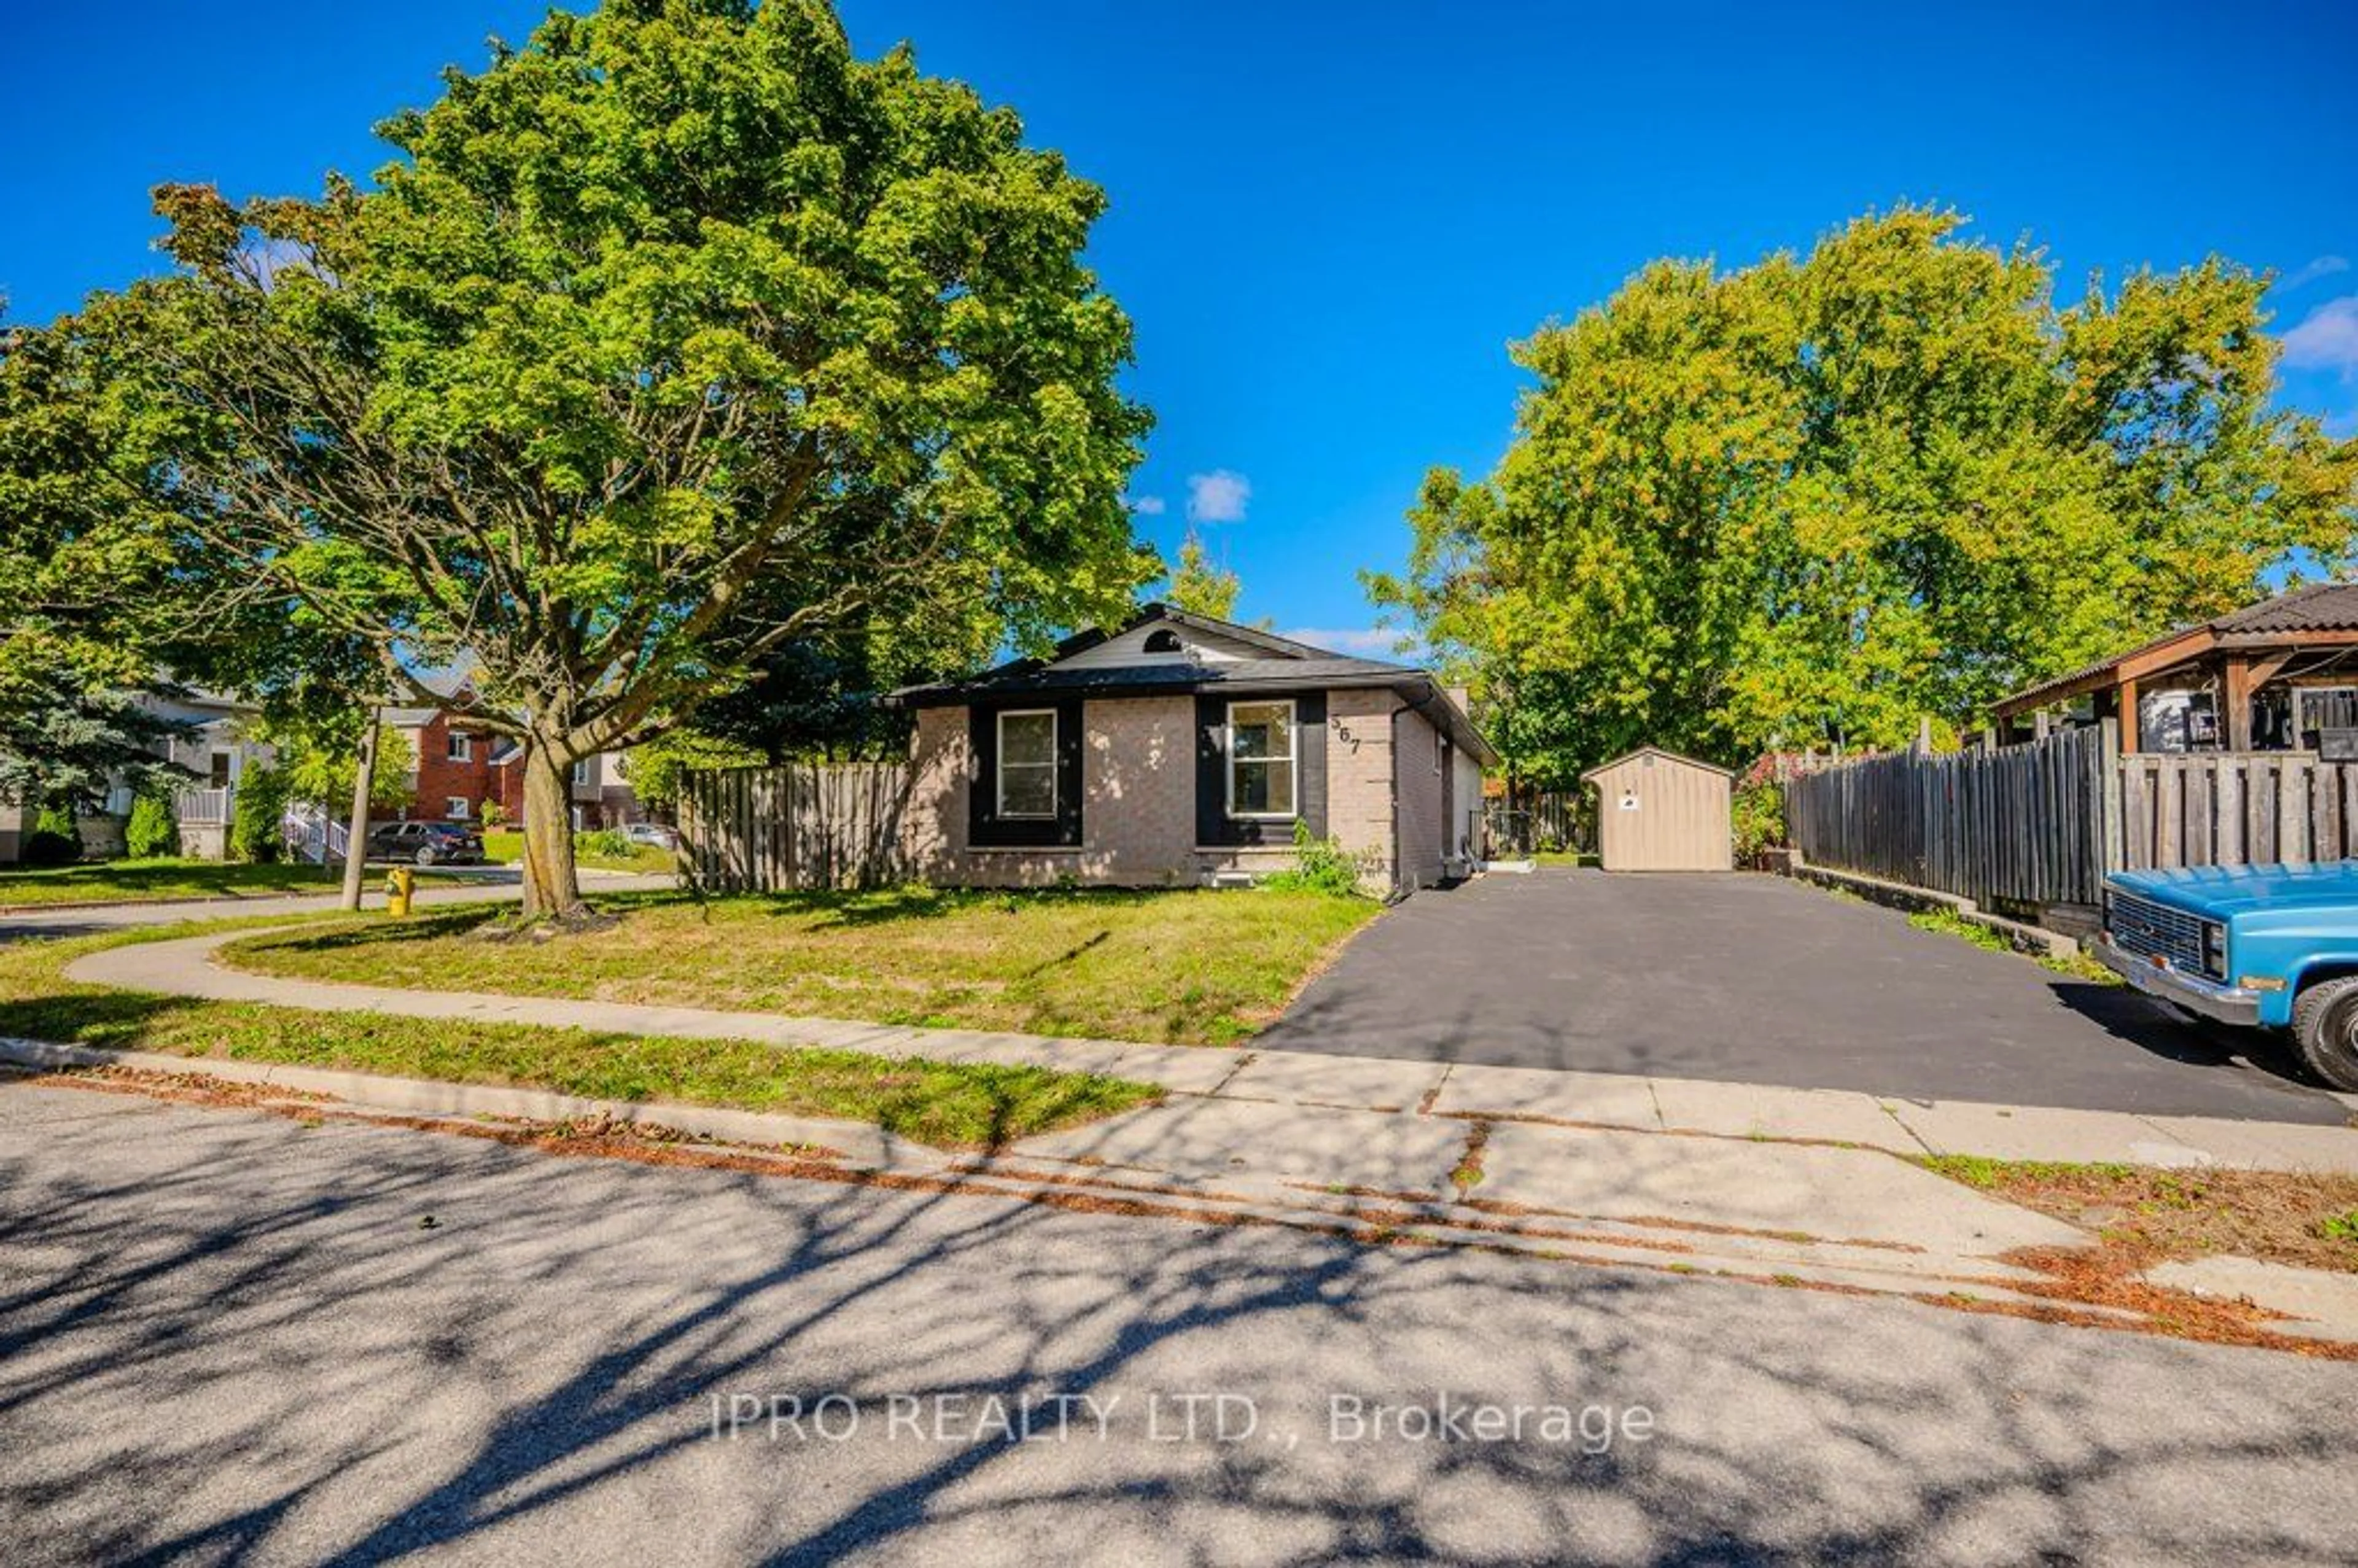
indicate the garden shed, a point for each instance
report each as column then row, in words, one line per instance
column 1657, row 811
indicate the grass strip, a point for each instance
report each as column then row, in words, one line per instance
column 946, row 1105
column 1183, row 967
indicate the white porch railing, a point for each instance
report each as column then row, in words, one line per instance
column 313, row 835
column 203, row 807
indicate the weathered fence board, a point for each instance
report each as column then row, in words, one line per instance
column 801, row 826
column 2021, row 825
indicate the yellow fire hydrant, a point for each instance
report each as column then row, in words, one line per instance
column 398, row 883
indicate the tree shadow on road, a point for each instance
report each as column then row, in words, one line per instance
column 227, row 1337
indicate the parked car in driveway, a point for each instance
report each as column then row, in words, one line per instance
column 2257, row 946
column 653, row 834
column 426, row 844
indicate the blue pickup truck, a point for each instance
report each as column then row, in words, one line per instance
column 2261, row 946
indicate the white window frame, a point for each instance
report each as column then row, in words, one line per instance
column 458, row 746
column 581, row 774
column 456, row 808
column 999, row 764
column 1292, row 759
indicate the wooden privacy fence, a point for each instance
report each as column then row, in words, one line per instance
column 2247, row 808
column 805, row 825
column 2025, row 824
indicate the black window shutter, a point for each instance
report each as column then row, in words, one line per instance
column 1211, row 823
column 1214, row 826
column 984, row 827
column 1310, row 773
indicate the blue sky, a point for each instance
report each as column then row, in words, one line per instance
column 1329, row 220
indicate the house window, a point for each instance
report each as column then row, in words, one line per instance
column 455, row 807
column 1027, row 763
column 1260, row 759
column 221, row 770
column 461, row 748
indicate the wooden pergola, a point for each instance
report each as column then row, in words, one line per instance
column 2307, row 637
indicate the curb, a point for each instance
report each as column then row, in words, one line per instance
column 425, row 1096
column 2022, row 938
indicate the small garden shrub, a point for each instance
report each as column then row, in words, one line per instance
column 54, row 840
column 154, row 830
column 606, row 843
column 1320, row 865
column 256, row 830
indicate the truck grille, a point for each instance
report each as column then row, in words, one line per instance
column 2150, row 930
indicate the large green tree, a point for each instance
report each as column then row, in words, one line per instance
column 89, row 569
column 677, row 335
column 1822, row 499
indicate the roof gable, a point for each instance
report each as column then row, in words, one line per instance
column 1602, row 768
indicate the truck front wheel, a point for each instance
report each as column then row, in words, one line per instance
column 2325, row 1025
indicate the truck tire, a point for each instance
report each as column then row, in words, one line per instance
column 2325, row 1027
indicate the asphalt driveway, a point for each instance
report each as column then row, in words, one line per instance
column 1759, row 979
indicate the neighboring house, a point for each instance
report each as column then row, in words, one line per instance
column 216, row 747
column 456, row 767
column 459, row 766
column 1182, row 749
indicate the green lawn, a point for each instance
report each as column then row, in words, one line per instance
column 504, row 846
column 131, row 882
column 1185, row 968
column 942, row 1104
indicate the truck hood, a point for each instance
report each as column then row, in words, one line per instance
column 2221, row 891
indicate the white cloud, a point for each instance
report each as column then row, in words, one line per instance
column 1359, row 642
column 2327, row 337
column 1219, row 496
column 1147, row 505
column 2323, row 266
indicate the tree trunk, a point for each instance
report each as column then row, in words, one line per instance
column 356, row 829
column 552, row 885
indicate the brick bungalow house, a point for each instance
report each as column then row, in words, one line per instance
column 1180, row 751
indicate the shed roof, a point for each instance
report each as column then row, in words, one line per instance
column 1657, row 752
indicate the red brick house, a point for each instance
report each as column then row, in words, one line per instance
column 459, row 766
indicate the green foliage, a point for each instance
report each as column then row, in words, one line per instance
column 604, row 844
column 1199, row 588
column 1320, row 865
column 1817, row 499
column 2339, row 1227
column 655, row 767
column 255, row 830
column 319, row 759
column 154, row 829
column 1759, row 816
column 494, row 815
column 53, row 840
column 706, row 336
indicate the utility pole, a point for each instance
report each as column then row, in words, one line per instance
column 356, row 834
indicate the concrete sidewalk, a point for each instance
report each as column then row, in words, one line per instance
column 1793, row 1185
column 1536, row 1096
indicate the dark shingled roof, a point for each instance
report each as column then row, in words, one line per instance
column 1294, row 667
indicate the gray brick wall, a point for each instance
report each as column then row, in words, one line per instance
column 1138, row 819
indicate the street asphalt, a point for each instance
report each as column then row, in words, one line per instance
column 1758, row 980
column 225, row 1336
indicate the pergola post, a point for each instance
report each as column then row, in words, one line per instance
column 2124, row 703
column 2238, row 697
